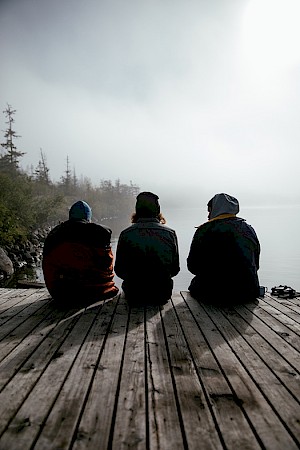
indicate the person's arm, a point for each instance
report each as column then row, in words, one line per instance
column 106, row 233
column 120, row 263
column 257, row 253
column 255, row 245
column 194, row 260
column 51, row 240
column 175, row 263
column 191, row 259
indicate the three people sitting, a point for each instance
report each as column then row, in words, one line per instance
column 224, row 256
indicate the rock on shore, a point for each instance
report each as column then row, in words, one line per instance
column 27, row 254
column 6, row 265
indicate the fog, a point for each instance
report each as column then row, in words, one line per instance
column 183, row 98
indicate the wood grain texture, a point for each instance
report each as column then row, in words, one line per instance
column 184, row 375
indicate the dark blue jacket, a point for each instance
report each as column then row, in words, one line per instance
column 146, row 259
column 224, row 256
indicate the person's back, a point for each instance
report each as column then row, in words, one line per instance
column 78, row 260
column 147, row 254
column 224, row 255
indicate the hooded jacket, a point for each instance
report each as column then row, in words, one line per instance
column 224, row 254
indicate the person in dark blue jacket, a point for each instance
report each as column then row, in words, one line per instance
column 224, row 255
column 147, row 254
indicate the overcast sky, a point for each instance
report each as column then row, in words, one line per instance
column 195, row 96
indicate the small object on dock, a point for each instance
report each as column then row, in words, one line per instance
column 25, row 284
column 284, row 291
column 262, row 291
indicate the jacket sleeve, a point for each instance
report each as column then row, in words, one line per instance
column 175, row 263
column 191, row 260
column 255, row 245
column 195, row 257
column 257, row 252
column 121, row 257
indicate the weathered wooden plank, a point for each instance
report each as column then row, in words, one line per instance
column 184, row 376
column 267, row 329
column 285, row 326
column 97, row 418
column 284, row 307
column 229, row 419
column 197, row 422
column 17, row 327
column 33, row 301
column 32, row 347
column 60, row 428
column 260, row 360
column 4, row 291
column 283, row 403
column 13, row 316
column 5, row 294
column 131, row 413
column 164, row 425
column 32, row 368
column 269, row 429
column 18, row 313
column 47, row 388
column 20, row 297
column 291, row 303
column 9, row 292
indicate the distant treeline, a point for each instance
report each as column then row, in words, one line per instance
column 30, row 200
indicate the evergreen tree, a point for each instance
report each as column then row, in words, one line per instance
column 41, row 174
column 74, row 180
column 11, row 158
column 66, row 179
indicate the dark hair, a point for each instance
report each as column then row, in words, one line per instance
column 135, row 216
column 147, row 206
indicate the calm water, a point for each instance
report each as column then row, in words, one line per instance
column 278, row 232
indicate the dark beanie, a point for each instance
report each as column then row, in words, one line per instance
column 147, row 205
column 80, row 210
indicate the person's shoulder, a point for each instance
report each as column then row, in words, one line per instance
column 147, row 225
column 129, row 229
column 166, row 228
column 244, row 228
column 203, row 227
column 240, row 222
column 156, row 225
column 98, row 229
column 57, row 229
column 99, row 226
column 250, row 227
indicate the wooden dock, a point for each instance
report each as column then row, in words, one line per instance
column 181, row 376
